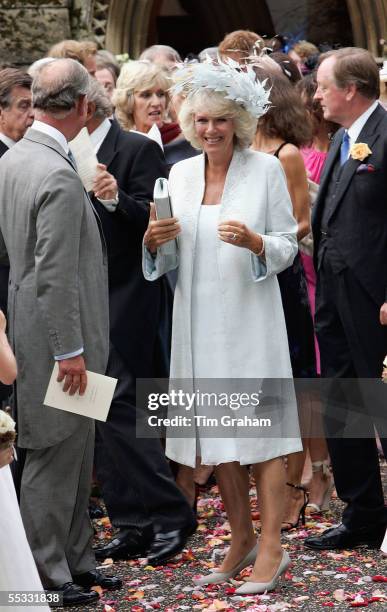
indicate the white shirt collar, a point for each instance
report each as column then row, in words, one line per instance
column 357, row 126
column 53, row 132
column 7, row 140
column 98, row 136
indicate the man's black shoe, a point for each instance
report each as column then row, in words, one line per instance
column 96, row 578
column 167, row 545
column 128, row 544
column 341, row 537
column 75, row 595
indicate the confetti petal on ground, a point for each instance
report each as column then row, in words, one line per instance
column 315, row 581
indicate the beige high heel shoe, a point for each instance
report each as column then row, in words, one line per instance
column 254, row 588
column 217, row 577
column 327, row 474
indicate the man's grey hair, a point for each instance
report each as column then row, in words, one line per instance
column 58, row 86
column 97, row 95
column 36, row 66
column 152, row 52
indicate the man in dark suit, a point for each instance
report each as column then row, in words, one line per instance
column 141, row 496
column 15, row 106
column 350, row 241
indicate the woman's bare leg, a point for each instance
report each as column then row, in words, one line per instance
column 271, row 483
column 294, row 498
column 202, row 473
column 321, row 477
column 233, row 481
column 186, row 484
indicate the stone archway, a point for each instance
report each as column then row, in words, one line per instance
column 369, row 24
column 129, row 21
column 127, row 25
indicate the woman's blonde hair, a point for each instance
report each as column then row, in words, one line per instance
column 215, row 104
column 136, row 76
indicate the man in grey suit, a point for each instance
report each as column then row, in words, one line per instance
column 58, row 310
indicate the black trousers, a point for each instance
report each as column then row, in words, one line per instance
column 137, row 484
column 353, row 344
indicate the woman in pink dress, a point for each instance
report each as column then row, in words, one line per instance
column 314, row 155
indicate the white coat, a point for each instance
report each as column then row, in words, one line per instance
column 256, row 194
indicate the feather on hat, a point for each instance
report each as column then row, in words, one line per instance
column 226, row 77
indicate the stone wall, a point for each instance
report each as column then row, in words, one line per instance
column 29, row 28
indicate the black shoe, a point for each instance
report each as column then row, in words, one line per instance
column 287, row 525
column 128, row 544
column 167, row 545
column 74, row 595
column 341, row 537
column 96, row 578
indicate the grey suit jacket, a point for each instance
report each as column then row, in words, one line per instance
column 58, row 294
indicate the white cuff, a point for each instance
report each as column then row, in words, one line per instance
column 69, row 355
column 110, row 205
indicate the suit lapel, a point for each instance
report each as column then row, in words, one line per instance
column 326, row 176
column 3, row 148
column 331, row 160
column 108, row 149
column 350, row 168
column 368, row 135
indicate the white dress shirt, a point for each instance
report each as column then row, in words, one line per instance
column 97, row 137
column 53, row 132
column 357, row 126
column 7, row 140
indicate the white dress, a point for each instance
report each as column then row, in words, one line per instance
column 209, row 349
column 17, row 566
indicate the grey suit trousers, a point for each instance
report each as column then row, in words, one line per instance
column 54, row 506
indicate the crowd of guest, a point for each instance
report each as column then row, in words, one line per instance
column 276, row 165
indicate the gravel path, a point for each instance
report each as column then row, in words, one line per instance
column 341, row 580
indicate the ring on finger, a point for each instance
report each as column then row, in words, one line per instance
column 234, row 237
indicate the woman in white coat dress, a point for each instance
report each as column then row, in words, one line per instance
column 236, row 232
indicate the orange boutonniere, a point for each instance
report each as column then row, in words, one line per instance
column 360, row 150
